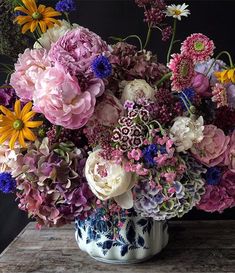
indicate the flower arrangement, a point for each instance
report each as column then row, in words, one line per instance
column 88, row 126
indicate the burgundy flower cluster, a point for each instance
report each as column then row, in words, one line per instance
column 166, row 107
column 129, row 64
column 154, row 15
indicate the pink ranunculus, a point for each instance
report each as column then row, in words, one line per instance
column 77, row 49
column 109, row 110
column 60, row 99
column 211, row 150
column 201, row 85
column 230, row 154
column 29, row 66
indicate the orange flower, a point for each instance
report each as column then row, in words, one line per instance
column 15, row 125
column 36, row 16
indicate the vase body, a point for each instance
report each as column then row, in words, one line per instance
column 137, row 240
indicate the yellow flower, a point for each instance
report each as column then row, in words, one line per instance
column 34, row 16
column 226, row 76
column 15, row 125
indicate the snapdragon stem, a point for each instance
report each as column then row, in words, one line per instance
column 67, row 17
column 165, row 77
column 148, row 36
column 172, row 41
column 217, row 57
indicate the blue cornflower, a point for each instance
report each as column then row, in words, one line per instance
column 213, row 176
column 7, row 182
column 101, row 67
column 186, row 96
column 149, row 153
column 65, row 6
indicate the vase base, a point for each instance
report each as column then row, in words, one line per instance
column 134, row 261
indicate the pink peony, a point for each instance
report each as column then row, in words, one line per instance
column 61, row 100
column 108, row 111
column 219, row 197
column 230, row 154
column 27, row 70
column 201, row 85
column 211, row 150
column 77, row 49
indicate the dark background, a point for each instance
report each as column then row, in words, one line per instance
column 215, row 19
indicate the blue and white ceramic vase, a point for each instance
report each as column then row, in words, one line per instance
column 136, row 241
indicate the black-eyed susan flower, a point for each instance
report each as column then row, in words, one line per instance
column 41, row 16
column 15, row 126
column 226, row 76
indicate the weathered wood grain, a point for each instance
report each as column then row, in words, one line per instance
column 195, row 246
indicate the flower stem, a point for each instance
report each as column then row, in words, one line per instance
column 172, row 41
column 148, row 36
column 217, row 57
column 137, row 37
column 165, row 77
column 67, row 16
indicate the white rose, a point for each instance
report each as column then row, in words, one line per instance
column 186, row 131
column 53, row 34
column 135, row 90
column 109, row 180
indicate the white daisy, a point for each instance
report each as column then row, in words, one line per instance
column 176, row 11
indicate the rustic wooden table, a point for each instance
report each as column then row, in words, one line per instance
column 195, row 246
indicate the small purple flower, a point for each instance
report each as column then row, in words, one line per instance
column 66, row 6
column 129, row 105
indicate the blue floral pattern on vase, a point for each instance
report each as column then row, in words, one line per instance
column 102, row 238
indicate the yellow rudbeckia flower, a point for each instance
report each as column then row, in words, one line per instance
column 36, row 16
column 226, row 76
column 15, row 125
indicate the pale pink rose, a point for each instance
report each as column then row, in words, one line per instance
column 29, row 66
column 201, row 85
column 60, row 99
column 211, row 150
column 230, row 154
column 108, row 111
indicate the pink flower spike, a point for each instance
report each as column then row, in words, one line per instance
column 198, row 47
column 136, row 154
column 219, row 95
column 171, row 190
column 170, row 177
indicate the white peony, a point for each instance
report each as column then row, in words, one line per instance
column 53, row 34
column 186, row 131
column 109, row 180
column 136, row 89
